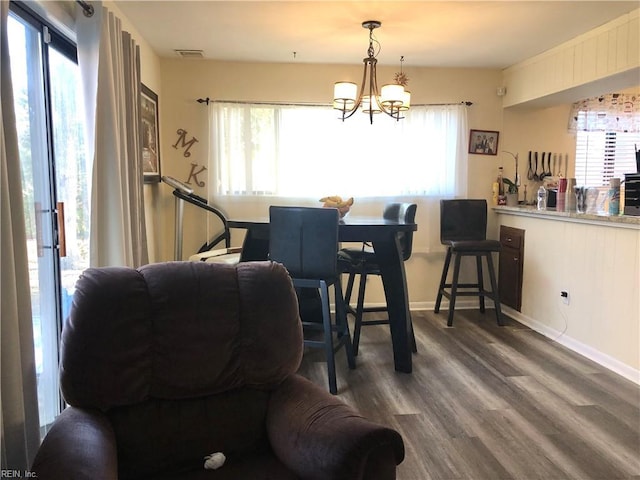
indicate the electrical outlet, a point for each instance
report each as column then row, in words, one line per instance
column 565, row 296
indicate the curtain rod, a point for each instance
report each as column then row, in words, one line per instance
column 87, row 8
column 208, row 101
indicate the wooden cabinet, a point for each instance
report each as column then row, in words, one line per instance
column 511, row 266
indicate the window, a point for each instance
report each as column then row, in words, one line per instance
column 601, row 156
column 305, row 151
column 55, row 175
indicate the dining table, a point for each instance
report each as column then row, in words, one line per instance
column 382, row 234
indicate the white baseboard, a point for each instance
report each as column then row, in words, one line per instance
column 587, row 351
column 583, row 349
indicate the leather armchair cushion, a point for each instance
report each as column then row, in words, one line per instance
column 170, row 437
column 129, row 351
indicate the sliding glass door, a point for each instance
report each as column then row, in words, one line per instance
column 55, row 185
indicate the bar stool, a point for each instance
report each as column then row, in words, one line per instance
column 463, row 229
column 363, row 262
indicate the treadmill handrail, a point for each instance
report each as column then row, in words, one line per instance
column 202, row 203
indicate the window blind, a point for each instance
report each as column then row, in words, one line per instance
column 601, row 156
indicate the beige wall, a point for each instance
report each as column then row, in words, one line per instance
column 537, row 130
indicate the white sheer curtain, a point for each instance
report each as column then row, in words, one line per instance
column 110, row 64
column 306, row 151
column 19, row 423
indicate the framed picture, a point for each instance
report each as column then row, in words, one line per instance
column 483, row 142
column 150, row 135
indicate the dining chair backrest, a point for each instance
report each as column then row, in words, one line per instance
column 463, row 219
column 402, row 212
column 304, row 240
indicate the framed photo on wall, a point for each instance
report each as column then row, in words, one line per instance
column 483, row 142
column 150, row 135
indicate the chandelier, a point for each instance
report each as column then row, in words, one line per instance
column 392, row 99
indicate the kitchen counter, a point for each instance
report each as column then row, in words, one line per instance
column 621, row 221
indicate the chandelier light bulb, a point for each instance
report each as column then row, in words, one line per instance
column 392, row 95
column 367, row 105
column 345, row 93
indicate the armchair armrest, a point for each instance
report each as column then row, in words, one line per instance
column 81, row 445
column 318, row 436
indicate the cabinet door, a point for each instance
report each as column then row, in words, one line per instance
column 511, row 266
column 510, row 284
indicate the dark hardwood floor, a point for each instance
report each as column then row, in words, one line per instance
column 489, row 402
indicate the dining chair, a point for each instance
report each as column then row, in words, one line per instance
column 363, row 262
column 305, row 241
column 463, row 229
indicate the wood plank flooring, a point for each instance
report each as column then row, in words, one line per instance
column 489, row 402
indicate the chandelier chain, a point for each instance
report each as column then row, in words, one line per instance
column 371, row 51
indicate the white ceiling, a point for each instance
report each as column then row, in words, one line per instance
column 493, row 34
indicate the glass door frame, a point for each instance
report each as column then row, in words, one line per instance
column 48, row 229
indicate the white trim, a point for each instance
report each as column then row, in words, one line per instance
column 583, row 349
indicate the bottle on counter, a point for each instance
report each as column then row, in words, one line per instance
column 542, row 198
column 570, row 196
column 614, row 196
column 502, row 199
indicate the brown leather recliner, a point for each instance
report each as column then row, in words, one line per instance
column 171, row 362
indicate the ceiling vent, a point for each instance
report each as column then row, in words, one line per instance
column 190, row 53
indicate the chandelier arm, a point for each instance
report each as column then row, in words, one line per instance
column 349, row 113
column 392, row 112
column 365, row 62
column 373, row 92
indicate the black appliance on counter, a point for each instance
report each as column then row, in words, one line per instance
column 552, row 197
column 632, row 194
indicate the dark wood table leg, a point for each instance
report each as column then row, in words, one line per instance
column 395, row 289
